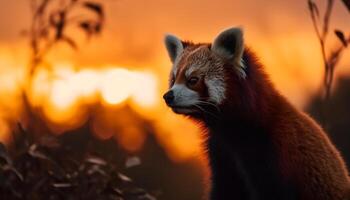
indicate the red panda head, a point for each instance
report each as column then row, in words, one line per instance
column 199, row 76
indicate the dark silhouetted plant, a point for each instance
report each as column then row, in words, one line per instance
column 47, row 166
column 331, row 57
column 51, row 21
column 50, row 169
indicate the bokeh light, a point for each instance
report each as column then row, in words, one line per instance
column 127, row 66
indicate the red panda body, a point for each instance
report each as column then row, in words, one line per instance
column 259, row 145
column 276, row 151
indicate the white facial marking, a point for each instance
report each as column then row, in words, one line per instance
column 184, row 96
column 190, row 70
column 179, row 57
column 216, row 89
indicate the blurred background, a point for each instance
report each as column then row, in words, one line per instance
column 96, row 81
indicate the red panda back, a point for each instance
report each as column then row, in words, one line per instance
column 261, row 132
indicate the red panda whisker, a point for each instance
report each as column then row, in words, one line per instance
column 205, row 111
column 209, row 103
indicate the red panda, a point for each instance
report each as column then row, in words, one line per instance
column 259, row 146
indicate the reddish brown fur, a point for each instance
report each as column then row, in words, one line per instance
column 182, row 65
column 256, row 128
column 306, row 155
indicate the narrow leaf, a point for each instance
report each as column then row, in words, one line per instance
column 341, row 37
column 96, row 160
column 313, row 8
column 316, row 9
column 14, row 170
column 33, row 151
column 96, row 7
column 132, row 161
column 70, row 42
column 98, row 27
column 61, row 185
column 59, row 26
column 86, row 26
column 124, row 178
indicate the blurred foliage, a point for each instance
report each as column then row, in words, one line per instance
column 51, row 20
column 49, row 170
column 331, row 57
column 78, row 165
column 338, row 116
column 331, row 108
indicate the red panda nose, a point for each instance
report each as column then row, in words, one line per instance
column 169, row 97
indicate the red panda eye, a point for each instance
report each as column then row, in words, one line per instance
column 192, row 81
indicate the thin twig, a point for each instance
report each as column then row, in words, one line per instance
column 322, row 37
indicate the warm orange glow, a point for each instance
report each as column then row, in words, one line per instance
column 75, row 82
column 65, row 94
column 145, row 98
column 86, row 83
column 11, row 80
column 65, row 89
column 62, row 94
column 4, row 131
column 180, row 134
column 116, row 86
column 131, row 139
column 40, row 87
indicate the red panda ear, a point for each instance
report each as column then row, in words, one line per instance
column 229, row 45
column 174, row 46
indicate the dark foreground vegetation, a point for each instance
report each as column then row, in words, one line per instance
column 48, row 170
column 78, row 165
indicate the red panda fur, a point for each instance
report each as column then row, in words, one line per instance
column 261, row 147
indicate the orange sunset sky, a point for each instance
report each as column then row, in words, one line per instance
column 280, row 31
